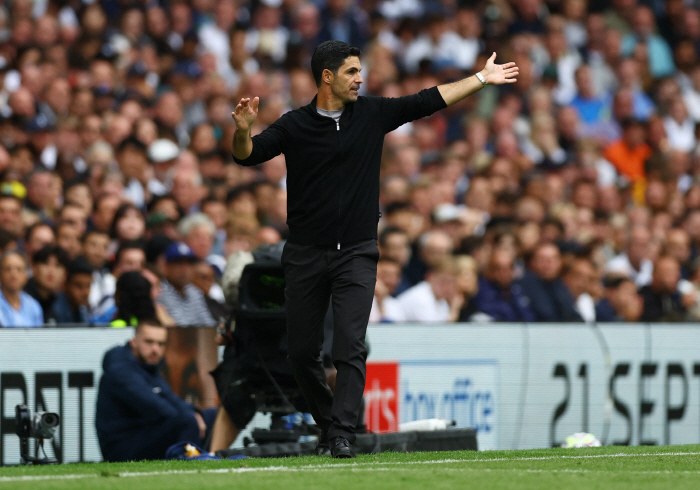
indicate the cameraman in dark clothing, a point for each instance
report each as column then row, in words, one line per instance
column 138, row 416
column 333, row 149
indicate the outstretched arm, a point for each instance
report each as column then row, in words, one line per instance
column 244, row 116
column 493, row 74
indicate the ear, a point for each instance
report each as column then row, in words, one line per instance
column 327, row 76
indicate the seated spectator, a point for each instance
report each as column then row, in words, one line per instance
column 662, row 300
column 72, row 305
column 184, row 302
column 95, row 246
column 385, row 308
column 68, row 238
column 395, row 245
column 138, row 416
column 431, row 299
column 130, row 256
column 466, row 288
column 49, row 275
column 499, row 297
column 550, row 300
column 204, row 278
column 36, row 237
column 634, row 260
column 133, row 300
column 17, row 308
column 629, row 153
column 621, row 301
column 433, row 246
column 579, row 276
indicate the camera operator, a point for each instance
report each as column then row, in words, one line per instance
column 138, row 416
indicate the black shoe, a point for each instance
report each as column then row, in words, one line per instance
column 323, row 448
column 341, row 448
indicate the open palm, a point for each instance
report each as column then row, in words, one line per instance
column 499, row 74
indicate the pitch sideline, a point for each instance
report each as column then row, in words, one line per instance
column 127, row 474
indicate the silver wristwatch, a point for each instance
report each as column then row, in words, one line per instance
column 481, row 78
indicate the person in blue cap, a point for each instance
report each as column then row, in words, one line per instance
column 184, row 302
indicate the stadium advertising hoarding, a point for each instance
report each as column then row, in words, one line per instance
column 59, row 370
column 519, row 386
column 529, row 386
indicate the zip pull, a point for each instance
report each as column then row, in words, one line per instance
column 337, row 125
column 338, row 245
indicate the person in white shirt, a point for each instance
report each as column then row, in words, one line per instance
column 429, row 300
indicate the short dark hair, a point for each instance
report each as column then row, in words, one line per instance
column 330, row 55
column 128, row 245
column 43, row 255
column 390, row 230
column 78, row 266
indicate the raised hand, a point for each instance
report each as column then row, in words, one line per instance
column 245, row 114
column 499, row 74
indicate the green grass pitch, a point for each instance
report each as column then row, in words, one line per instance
column 609, row 468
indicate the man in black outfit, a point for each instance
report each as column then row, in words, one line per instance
column 333, row 149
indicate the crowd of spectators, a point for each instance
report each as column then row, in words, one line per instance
column 570, row 195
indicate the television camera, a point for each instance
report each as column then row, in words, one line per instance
column 40, row 426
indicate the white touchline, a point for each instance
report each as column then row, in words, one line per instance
column 368, row 465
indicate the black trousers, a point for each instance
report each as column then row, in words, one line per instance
column 315, row 276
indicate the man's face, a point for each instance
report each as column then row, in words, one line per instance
column 95, row 249
column 13, row 273
column 390, row 274
column 78, row 289
column 179, row 273
column 105, row 212
column 500, row 269
column 200, row 241
column 397, row 247
column 131, row 259
column 10, row 215
column 148, row 345
column 547, row 262
column 75, row 217
column 443, row 284
column 67, row 238
column 40, row 237
column 203, row 277
column 50, row 275
column 346, row 84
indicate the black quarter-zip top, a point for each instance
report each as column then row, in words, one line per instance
column 333, row 167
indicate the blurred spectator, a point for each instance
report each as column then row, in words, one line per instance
column 36, row 237
column 629, row 153
column 620, row 302
column 204, row 278
column 385, row 308
column 463, row 306
column 657, row 52
column 499, row 298
column 579, row 277
column 17, row 308
column 433, row 246
column 184, row 302
column 11, row 214
column 72, row 306
column 395, row 245
column 634, row 261
column 550, row 300
column 431, row 300
column 662, row 300
column 48, row 277
column 133, row 300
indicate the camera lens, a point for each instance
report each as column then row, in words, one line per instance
column 49, row 420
